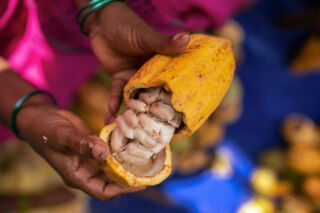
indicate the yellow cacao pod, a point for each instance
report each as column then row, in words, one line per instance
column 197, row 79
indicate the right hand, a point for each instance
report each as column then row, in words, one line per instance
column 122, row 42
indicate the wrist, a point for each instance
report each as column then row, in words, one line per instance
column 32, row 112
column 94, row 22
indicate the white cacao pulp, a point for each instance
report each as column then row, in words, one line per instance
column 144, row 130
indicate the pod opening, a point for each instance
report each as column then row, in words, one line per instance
column 139, row 140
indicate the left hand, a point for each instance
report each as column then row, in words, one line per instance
column 65, row 142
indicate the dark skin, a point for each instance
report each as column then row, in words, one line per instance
column 136, row 42
column 121, row 42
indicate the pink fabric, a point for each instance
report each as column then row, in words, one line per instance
column 50, row 52
column 43, row 44
column 172, row 16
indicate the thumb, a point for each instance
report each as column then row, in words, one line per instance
column 119, row 80
column 153, row 42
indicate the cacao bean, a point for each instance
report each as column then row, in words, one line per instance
column 150, row 95
column 129, row 158
column 144, row 138
column 149, row 125
column 137, row 106
column 138, row 150
column 165, row 97
column 166, row 133
column 125, row 129
column 162, row 111
column 157, row 148
column 118, row 141
column 177, row 120
column 131, row 118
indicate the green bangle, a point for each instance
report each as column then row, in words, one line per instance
column 84, row 8
column 18, row 105
column 97, row 4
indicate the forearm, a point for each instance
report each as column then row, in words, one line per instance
column 12, row 88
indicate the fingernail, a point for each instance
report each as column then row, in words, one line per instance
column 90, row 145
column 180, row 36
column 99, row 152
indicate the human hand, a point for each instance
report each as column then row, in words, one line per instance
column 122, row 42
column 65, row 142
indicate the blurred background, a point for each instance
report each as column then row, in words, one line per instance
column 259, row 152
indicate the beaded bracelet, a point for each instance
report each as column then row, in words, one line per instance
column 96, row 4
column 18, row 105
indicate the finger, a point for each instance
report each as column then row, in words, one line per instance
column 76, row 121
column 145, row 40
column 87, row 169
column 94, row 186
column 99, row 150
column 109, row 118
column 136, row 37
column 88, row 146
column 118, row 82
column 99, row 187
column 76, row 142
column 116, row 95
column 153, row 42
